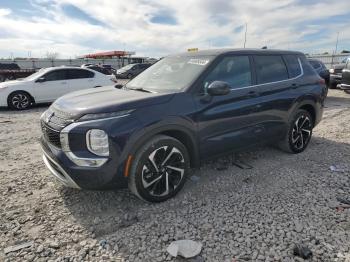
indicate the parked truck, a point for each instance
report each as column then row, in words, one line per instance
column 11, row 71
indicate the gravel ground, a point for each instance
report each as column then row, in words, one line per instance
column 255, row 214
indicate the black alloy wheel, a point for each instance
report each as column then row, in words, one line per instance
column 299, row 132
column 159, row 169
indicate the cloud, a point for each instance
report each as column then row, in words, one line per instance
column 5, row 11
column 157, row 28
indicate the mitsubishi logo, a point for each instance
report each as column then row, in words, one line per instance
column 49, row 116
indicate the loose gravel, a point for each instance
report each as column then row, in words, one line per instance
column 256, row 214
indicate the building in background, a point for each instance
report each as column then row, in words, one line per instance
column 116, row 59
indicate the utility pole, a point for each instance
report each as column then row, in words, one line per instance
column 336, row 47
column 245, row 34
column 336, row 44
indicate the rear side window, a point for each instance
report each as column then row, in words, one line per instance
column 79, row 73
column 56, row 75
column 235, row 70
column 270, row 69
column 315, row 64
column 293, row 65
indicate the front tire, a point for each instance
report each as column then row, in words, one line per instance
column 299, row 133
column 159, row 169
column 19, row 100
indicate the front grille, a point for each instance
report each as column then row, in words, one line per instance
column 51, row 135
column 338, row 71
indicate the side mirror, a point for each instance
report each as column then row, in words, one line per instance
column 40, row 79
column 218, row 88
column 119, row 86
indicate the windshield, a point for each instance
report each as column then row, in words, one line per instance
column 35, row 75
column 171, row 73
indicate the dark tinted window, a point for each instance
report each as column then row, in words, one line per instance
column 235, row 70
column 315, row 64
column 56, row 75
column 11, row 66
column 79, row 73
column 270, row 69
column 293, row 65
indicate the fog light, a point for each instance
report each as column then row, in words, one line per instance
column 97, row 142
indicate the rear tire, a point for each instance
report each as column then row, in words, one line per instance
column 332, row 85
column 299, row 133
column 159, row 169
column 19, row 100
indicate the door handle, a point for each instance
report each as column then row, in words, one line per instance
column 253, row 94
column 294, row 85
column 63, row 83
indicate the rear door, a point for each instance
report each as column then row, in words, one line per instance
column 80, row 79
column 54, row 86
column 228, row 122
column 346, row 74
column 274, row 83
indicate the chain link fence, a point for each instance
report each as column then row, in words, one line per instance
column 330, row 60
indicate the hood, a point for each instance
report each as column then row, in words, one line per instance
column 338, row 66
column 107, row 99
column 11, row 83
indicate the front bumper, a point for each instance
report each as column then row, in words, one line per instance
column 107, row 176
column 344, row 87
column 58, row 172
column 3, row 99
column 335, row 78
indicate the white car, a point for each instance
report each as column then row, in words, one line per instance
column 48, row 84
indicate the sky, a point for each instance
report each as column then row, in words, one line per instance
column 71, row 28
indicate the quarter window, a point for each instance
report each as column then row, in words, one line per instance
column 293, row 65
column 235, row 70
column 79, row 73
column 270, row 69
column 56, row 75
column 315, row 64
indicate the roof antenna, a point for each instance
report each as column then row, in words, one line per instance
column 245, row 34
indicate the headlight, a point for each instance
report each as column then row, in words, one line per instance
column 97, row 142
column 102, row 116
column 331, row 71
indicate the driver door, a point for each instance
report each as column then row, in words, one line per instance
column 229, row 121
column 53, row 86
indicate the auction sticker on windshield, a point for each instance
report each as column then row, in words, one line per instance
column 197, row 61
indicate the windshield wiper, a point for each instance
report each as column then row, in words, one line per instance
column 141, row 89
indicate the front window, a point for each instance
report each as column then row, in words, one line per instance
column 234, row 70
column 56, row 75
column 171, row 74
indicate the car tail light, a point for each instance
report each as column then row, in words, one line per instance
column 321, row 81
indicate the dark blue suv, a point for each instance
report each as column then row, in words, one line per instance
column 183, row 109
